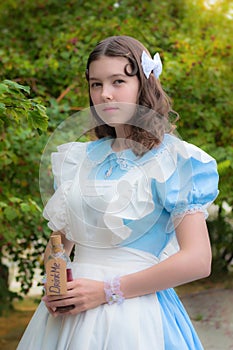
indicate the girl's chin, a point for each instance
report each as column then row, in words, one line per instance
column 116, row 124
column 112, row 124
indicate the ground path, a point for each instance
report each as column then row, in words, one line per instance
column 211, row 312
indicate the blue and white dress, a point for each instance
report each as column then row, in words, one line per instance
column 118, row 209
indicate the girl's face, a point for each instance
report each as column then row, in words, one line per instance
column 113, row 93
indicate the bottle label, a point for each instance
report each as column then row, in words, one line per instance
column 56, row 277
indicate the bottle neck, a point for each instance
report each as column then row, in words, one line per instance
column 57, row 250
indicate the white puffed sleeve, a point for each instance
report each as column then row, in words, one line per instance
column 65, row 164
column 187, row 180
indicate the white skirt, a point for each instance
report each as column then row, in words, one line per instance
column 137, row 324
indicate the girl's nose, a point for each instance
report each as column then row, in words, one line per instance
column 107, row 94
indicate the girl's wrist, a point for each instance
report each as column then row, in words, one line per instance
column 113, row 292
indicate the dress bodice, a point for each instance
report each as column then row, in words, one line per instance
column 108, row 199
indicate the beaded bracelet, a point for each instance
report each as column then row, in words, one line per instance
column 113, row 293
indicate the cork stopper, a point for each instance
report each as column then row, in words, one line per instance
column 56, row 243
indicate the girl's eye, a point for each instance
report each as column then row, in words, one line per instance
column 95, row 85
column 119, row 81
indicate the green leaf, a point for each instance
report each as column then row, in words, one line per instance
column 10, row 213
column 25, row 207
column 2, row 107
column 15, row 86
column 224, row 166
column 38, row 118
column 3, row 205
column 3, row 89
column 15, row 199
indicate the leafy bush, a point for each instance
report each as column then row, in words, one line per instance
column 22, row 230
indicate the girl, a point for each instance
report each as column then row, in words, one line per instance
column 124, row 201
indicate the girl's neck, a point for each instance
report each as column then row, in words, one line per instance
column 121, row 142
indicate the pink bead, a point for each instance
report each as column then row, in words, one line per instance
column 113, row 293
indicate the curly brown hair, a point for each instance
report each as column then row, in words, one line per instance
column 151, row 119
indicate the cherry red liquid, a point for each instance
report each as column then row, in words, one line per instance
column 69, row 275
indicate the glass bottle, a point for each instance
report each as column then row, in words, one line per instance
column 57, row 254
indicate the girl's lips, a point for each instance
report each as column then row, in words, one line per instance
column 107, row 109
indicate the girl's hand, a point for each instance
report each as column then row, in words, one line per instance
column 83, row 294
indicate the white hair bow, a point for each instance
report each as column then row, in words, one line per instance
column 149, row 64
